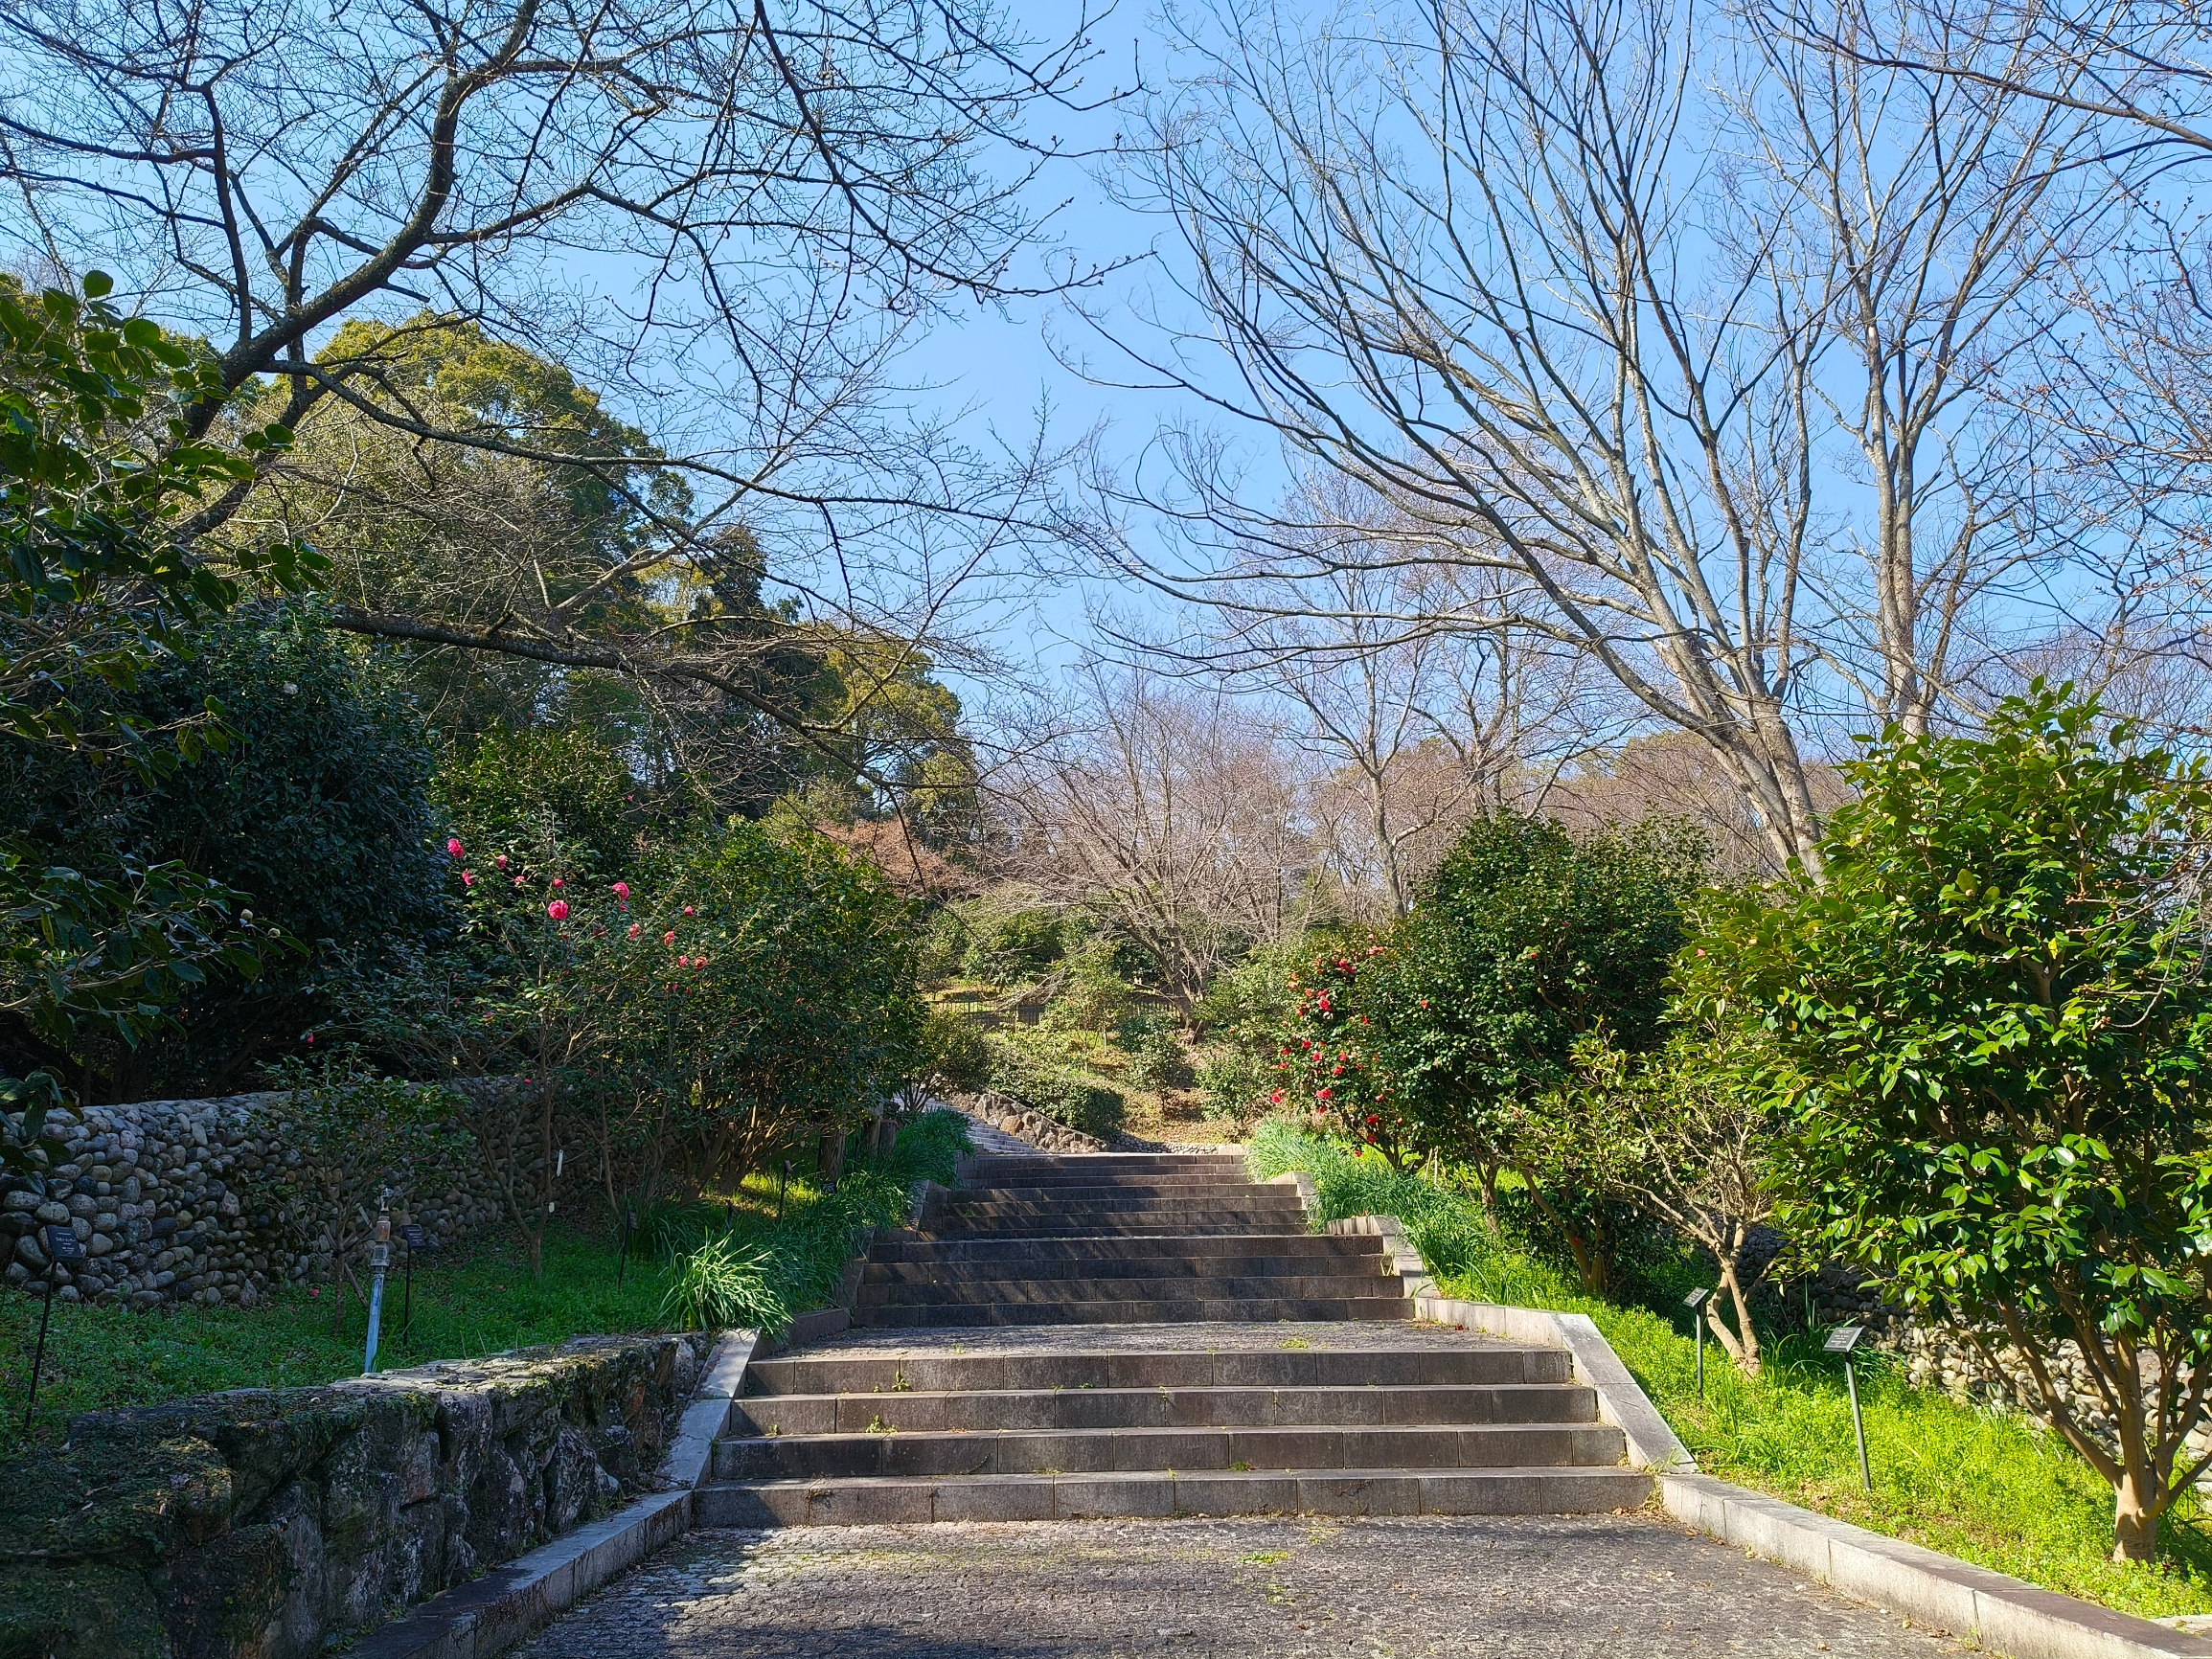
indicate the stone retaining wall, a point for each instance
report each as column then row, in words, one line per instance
column 271, row 1524
column 171, row 1201
column 1005, row 1113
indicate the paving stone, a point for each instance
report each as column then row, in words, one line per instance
column 1537, row 1588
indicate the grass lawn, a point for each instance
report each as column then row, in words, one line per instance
column 473, row 1300
column 1988, row 1487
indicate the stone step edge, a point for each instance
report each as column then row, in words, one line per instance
column 921, row 1500
column 519, row 1598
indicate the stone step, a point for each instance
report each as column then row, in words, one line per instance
column 1121, row 1450
column 1081, row 1171
column 902, row 1248
column 1248, row 1203
column 1091, row 1191
column 971, row 1410
column 1078, row 1369
column 1121, row 1288
column 1105, row 1227
column 1179, row 1265
column 1151, row 1311
column 1489, row 1492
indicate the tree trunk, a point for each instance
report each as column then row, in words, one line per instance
column 830, row 1160
column 1742, row 1342
column 2134, row 1522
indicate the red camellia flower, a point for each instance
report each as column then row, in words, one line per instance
column 557, row 910
column 683, row 961
column 622, row 890
column 689, row 911
column 1276, row 1098
column 669, row 938
column 519, row 881
column 453, row 846
column 468, row 877
column 1321, row 1093
column 558, row 882
column 633, row 930
column 501, row 861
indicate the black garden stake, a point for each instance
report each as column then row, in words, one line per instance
column 1842, row 1340
column 1695, row 1301
column 63, row 1245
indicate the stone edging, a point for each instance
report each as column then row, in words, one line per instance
column 1995, row 1611
column 511, row 1602
column 1999, row 1613
column 1621, row 1400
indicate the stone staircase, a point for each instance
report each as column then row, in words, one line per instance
column 1117, row 1239
column 1118, row 1335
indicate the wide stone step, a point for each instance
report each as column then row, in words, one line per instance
column 1243, row 1310
column 1100, row 1451
column 1104, row 1227
column 913, row 1249
column 1271, row 1209
column 1195, row 1192
column 1085, row 1171
column 1121, row 1288
column 1180, row 1264
column 968, row 1411
column 1491, row 1491
column 1077, row 1369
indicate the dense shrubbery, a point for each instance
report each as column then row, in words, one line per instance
column 1057, row 1089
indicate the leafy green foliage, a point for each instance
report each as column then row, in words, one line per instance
column 314, row 812
column 1153, row 1045
column 1991, row 1023
column 1058, row 1090
column 719, row 1284
column 954, row 1056
column 1009, row 946
column 514, row 783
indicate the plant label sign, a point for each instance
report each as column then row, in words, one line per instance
column 1696, row 1299
column 416, row 1239
column 64, row 1245
column 1843, row 1339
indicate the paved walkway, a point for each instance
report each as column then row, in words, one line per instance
column 1542, row 1587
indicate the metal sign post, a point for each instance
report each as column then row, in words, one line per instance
column 1695, row 1301
column 782, row 1186
column 63, row 1245
column 629, row 1226
column 380, row 1259
column 1842, row 1340
column 411, row 1233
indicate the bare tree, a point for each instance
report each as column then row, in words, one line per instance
column 1172, row 813
column 1707, row 377
column 729, row 215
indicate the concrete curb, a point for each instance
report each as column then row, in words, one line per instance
column 519, row 1596
column 1621, row 1402
column 2002, row 1613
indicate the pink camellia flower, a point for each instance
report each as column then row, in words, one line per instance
column 557, row 910
column 453, row 846
column 501, row 861
column 310, row 1039
column 468, row 877
column 669, row 938
column 683, row 961
column 519, row 881
column 622, row 890
column 633, row 930
column 558, row 882
column 689, row 911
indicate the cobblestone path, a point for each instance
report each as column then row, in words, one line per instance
column 1536, row 1587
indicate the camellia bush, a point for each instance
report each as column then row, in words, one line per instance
column 736, row 993
column 1989, row 1026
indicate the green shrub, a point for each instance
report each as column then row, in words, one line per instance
column 720, row 1284
column 1234, row 1082
column 1061, row 1092
column 955, row 1056
column 1155, row 1049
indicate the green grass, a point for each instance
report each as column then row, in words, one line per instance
column 468, row 1302
column 1992, row 1488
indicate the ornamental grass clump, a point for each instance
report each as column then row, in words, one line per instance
column 721, row 1284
